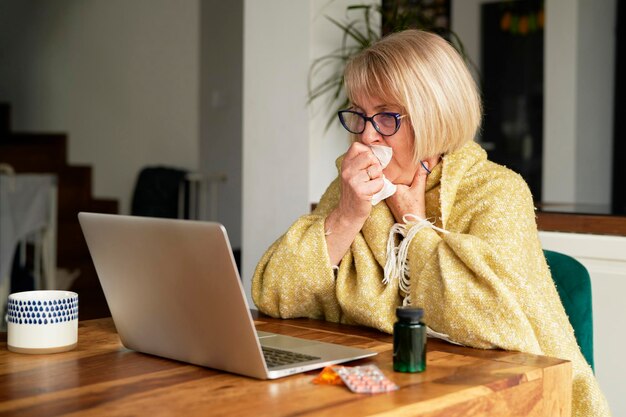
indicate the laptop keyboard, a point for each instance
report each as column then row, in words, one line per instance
column 276, row 357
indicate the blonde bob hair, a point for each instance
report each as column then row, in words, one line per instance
column 421, row 73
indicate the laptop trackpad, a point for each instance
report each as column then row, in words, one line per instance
column 279, row 341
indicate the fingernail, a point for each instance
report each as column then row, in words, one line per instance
column 425, row 166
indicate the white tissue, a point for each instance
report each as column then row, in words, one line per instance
column 383, row 153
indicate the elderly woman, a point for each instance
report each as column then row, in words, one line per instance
column 455, row 233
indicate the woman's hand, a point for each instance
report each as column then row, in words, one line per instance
column 361, row 178
column 411, row 199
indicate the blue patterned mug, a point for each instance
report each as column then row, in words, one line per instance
column 42, row 321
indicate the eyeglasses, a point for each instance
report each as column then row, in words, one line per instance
column 385, row 123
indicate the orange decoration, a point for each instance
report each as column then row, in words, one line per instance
column 540, row 18
column 523, row 25
column 505, row 22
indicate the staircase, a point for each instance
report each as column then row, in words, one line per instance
column 47, row 153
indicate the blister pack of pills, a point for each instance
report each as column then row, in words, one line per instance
column 367, row 379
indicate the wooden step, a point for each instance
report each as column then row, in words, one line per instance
column 47, row 153
column 104, row 205
column 5, row 118
column 93, row 304
column 74, row 188
column 29, row 152
column 72, row 248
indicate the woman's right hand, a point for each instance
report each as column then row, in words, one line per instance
column 361, row 178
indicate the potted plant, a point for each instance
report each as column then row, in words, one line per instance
column 362, row 28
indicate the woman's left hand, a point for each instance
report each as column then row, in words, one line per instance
column 410, row 199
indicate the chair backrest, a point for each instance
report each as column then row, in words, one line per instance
column 156, row 192
column 574, row 287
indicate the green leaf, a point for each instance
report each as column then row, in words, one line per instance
column 350, row 31
column 358, row 33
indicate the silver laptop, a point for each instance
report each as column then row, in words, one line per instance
column 174, row 291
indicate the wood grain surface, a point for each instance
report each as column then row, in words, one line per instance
column 102, row 378
column 582, row 223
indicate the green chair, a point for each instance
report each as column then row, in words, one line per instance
column 574, row 287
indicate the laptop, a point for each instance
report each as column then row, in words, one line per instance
column 174, row 291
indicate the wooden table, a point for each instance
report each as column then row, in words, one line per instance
column 102, row 378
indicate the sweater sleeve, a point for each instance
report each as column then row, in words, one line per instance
column 294, row 278
column 473, row 282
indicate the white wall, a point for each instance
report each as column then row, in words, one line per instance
column 120, row 77
column 275, row 123
column 578, row 94
column 605, row 259
column 560, row 101
column 594, row 104
column 465, row 22
column 578, row 123
column 221, row 111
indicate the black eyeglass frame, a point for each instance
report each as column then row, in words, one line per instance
column 397, row 116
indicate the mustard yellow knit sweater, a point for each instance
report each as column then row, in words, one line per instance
column 485, row 283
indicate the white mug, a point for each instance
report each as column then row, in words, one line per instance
column 42, row 321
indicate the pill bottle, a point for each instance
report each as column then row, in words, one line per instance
column 409, row 340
